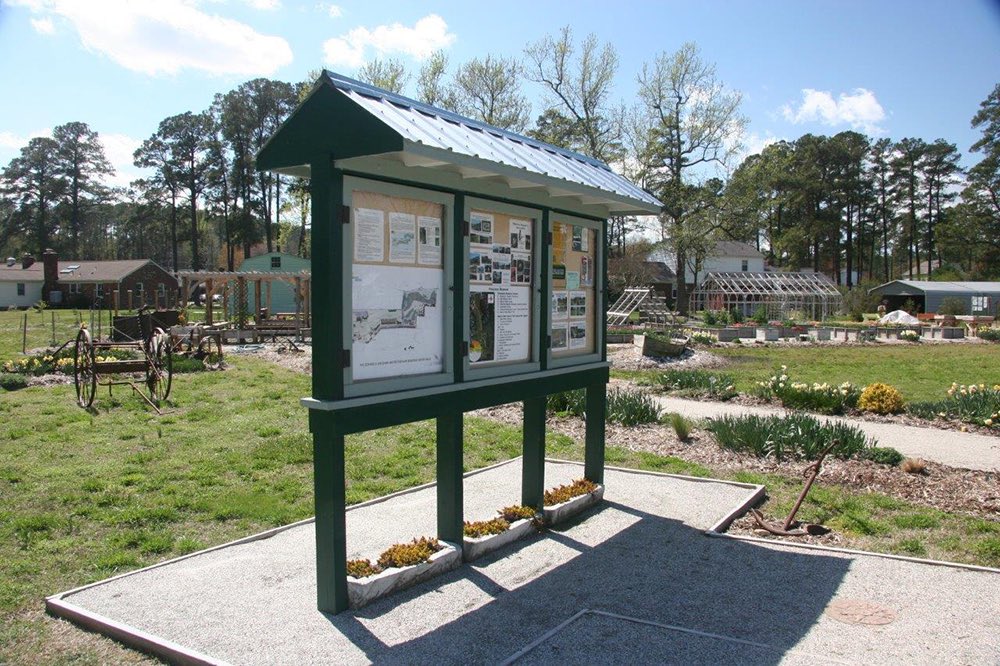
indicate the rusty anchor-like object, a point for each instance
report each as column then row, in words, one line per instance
column 811, row 472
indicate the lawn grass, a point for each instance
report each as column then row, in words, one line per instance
column 921, row 372
column 85, row 496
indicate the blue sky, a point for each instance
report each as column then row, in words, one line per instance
column 896, row 69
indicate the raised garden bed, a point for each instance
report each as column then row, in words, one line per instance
column 475, row 547
column 558, row 513
column 363, row 591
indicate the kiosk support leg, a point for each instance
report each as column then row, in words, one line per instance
column 533, row 458
column 331, row 524
column 449, row 477
column 594, row 440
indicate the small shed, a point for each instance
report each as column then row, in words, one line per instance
column 979, row 298
column 279, row 296
column 810, row 295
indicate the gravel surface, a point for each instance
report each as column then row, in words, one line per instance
column 640, row 560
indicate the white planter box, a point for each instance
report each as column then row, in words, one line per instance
column 363, row 591
column 566, row 510
column 768, row 334
column 474, row 548
column 821, row 334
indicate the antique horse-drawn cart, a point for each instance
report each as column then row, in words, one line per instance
column 124, row 363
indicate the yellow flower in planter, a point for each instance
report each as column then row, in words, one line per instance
column 988, row 422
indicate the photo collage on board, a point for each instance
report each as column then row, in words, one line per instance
column 500, row 279
column 573, row 305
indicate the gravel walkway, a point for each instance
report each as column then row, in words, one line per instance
column 634, row 581
column 957, row 449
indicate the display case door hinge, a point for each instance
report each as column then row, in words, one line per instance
column 548, row 238
column 465, row 348
column 465, row 228
column 345, row 214
column 345, row 358
column 548, row 342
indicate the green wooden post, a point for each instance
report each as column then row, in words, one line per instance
column 593, row 460
column 328, row 343
column 450, row 508
column 533, row 458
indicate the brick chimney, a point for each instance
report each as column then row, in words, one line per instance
column 27, row 260
column 50, row 260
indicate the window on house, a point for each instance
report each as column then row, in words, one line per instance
column 745, row 266
column 99, row 291
column 275, row 262
column 980, row 303
column 20, row 289
column 74, row 287
column 138, row 287
column 161, row 290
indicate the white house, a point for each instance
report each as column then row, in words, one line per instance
column 726, row 257
column 21, row 282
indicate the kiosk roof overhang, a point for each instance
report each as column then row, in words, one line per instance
column 353, row 121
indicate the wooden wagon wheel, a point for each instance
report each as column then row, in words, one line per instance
column 160, row 371
column 84, row 373
column 210, row 352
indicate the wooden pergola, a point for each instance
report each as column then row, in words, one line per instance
column 237, row 284
column 812, row 294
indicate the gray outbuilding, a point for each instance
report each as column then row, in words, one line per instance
column 979, row 298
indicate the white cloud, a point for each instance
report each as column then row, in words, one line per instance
column 167, row 36
column 15, row 142
column 859, row 109
column 425, row 37
column 335, row 11
column 43, row 26
column 755, row 143
column 119, row 148
column 266, row 5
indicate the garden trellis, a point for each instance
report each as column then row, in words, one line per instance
column 810, row 295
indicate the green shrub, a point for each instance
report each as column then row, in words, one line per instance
column 909, row 336
column 823, row 398
column 953, row 306
column 795, row 437
column 883, row 455
column 976, row 404
column 512, row 514
column 736, row 316
column 759, row 316
column 880, row 398
column 481, row 528
column 407, row 554
column 362, row 568
column 571, row 403
column 989, row 334
column 12, row 382
column 630, row 407
column 709, row 318
column 565, row 493
column 681, row 426
column 704, row 339
column 185, row 364
column 698, row 383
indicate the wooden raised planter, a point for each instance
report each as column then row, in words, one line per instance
column 561, row 512
column 728, row 334
column 619, row 338
column 363, row 591
column 821, row 334
column 475, row 547
column 653, row 346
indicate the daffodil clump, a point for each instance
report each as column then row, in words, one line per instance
column 976, row 404
column 41, row 364
column 816, row 397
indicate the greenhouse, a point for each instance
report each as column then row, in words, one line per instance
column 783, row 295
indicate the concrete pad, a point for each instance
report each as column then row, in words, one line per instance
column 639, row 562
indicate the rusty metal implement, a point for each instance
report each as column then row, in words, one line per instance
column 811, row 472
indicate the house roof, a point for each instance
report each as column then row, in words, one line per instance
column 661, row 273
column 378, row 122
column 723, row 248
column 33, row 273
column 958, row 288
column 99, row 271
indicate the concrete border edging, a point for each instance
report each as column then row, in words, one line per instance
column 475, row 547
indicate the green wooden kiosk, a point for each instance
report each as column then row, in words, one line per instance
column 455, row 266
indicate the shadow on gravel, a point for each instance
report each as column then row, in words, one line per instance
column 653, row 569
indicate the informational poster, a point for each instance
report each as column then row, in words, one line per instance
column 402, row 238
column 397, row 323
column 574, row 296
column 397, row 297
column 560, row 305
column 369, row 234
column 500, row 294
column 428, row 241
